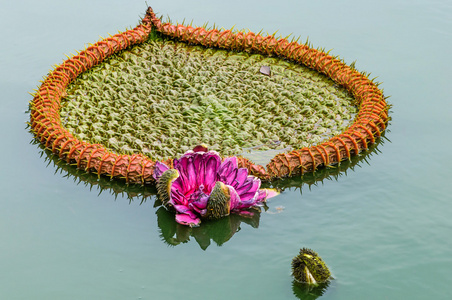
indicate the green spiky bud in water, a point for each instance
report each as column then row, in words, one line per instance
column 308, row 267
column 164, row 185
column 219, row 203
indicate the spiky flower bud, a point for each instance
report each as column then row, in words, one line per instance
column 219, row 204
column 164, row 185
column 308, row 267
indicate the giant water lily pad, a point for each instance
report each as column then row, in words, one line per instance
column 163, row 97
column 152, row 92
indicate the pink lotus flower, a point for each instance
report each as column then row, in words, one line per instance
column 202, row 186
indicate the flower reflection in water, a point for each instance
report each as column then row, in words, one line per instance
column 219, row 231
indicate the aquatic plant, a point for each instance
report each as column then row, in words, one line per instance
column 163, row 97
column 202, row 186
column 92, row 156
column 308, row 267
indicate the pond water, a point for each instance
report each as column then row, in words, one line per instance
column 382, row 223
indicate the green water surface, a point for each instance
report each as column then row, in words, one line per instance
column 382, row 224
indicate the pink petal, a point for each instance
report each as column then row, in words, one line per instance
column 228, row 170
column 185, row 216
column 199, row 165
column 187, row 220
column 238, row 203
column 159, row 169
column 184, row 210
column 242, row 175
column 191, row 174
column 186, row 171
column 270, row 193
column 177, row 185
column 249, row 189
column 211, row 165
column 197, row 194
column 177, row 197
column 176, row 162
column 261, row 196
column 199, row 205
column 229, row 164
column 249, row 202
column 235, row 198
column 233, row 160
